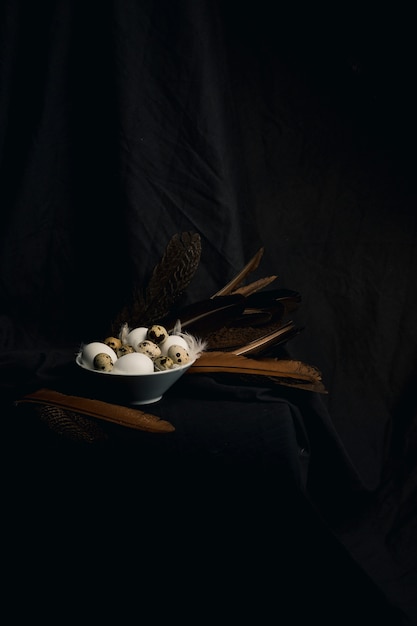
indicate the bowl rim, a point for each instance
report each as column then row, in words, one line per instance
column 176, row 368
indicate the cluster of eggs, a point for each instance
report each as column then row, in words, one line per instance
column 142, row 351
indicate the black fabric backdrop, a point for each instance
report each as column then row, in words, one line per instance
column 124, row 122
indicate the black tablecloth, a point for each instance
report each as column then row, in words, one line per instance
column 227, row 515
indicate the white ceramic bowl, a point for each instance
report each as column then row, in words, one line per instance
column 132, row 389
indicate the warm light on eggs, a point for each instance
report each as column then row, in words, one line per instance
column 133, row 364
column 90, row 350
column 135, row 353
column 135, row 370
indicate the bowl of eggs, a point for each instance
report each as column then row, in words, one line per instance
column 139, row 365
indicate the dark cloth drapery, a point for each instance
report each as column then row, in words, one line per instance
column 124, row 122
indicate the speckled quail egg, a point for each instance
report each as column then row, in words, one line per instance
column 157, row 334
column 162, row 363
column 178, row 354
column 90, row 350
column 149, row 348
column 173, row 340
column 103, row 362
column 136, row 335
column 133, row 363
column 124, row 349
column 113, row 342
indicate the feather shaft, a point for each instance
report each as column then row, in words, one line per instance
column 255, row 286
column 251, row 266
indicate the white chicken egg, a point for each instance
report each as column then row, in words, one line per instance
column 133, row 364
column 136, row 336
column 173, row 340
column 90, row 350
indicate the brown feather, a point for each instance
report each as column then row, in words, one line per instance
column 169, row 279
column 118, row 414
column 283, row 371
column 172, row 275
column 255, row 286
column 269, row 340
column 237, row 280
column 70, row 424
column 205, row 316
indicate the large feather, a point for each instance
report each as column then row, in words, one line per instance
column 252, row 339
column 227, row 322
column 118, row 414
column 256, row 329
column 172, row 275
column 169, row 279
column 289, row 372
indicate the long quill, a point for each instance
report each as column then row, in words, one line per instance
column 255, row 286
column 233, row 284
column 287, row 372
column 118, row 414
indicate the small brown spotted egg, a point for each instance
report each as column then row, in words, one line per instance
column 125, row 348
column 113, row 342
column 179, row 355
column 103, row 362
column 157, row 333
column 149, row 348
column 162, row 363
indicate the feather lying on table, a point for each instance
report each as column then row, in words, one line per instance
column 288, row 372
column 70, row 424
column 169, row 280
column 115, row 413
